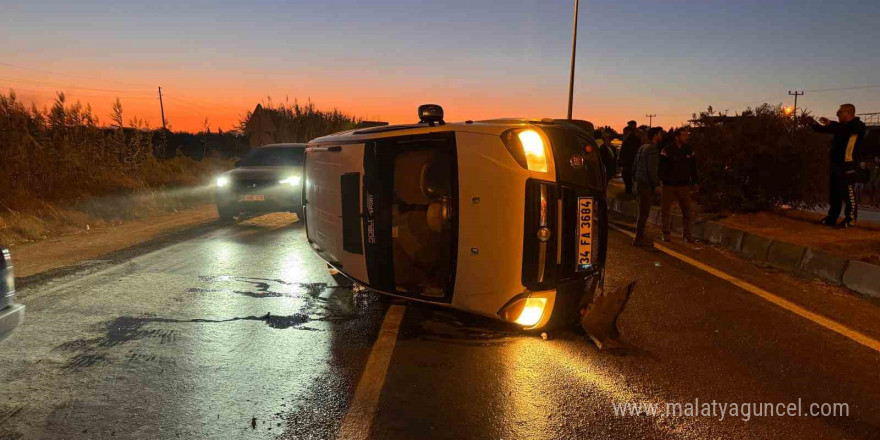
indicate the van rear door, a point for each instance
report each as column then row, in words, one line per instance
column 333, row 206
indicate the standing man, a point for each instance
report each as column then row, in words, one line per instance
column 607, row 156
column 628, row 150
column 678, row 173
column 646, row 174
column 843, row 155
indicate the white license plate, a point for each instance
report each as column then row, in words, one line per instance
column 252, row 198
column 585, row 232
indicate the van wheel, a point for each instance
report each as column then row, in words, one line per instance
column 226, row 213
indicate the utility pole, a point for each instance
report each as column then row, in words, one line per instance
column 574, row 36
column 162, row 108
column 795, row 94
column 650, row 119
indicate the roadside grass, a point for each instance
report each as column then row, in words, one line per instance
column 159, row 187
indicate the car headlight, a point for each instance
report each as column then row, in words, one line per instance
column 292, row 181
column 222, row 181
column 528, row 148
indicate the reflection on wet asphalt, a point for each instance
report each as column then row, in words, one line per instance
column 240, row 323
column 239, row 332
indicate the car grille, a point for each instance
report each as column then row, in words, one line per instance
column 251, row 185
column 555, row 262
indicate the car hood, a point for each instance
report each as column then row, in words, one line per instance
column 264, row 173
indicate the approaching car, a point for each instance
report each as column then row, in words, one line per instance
column 504, row 218
column 266, row 179
column 11, row 314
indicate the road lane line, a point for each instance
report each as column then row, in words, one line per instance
column 830, row 324
column 357, row 422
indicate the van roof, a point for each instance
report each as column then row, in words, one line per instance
column 283, row 145
column 491, row 126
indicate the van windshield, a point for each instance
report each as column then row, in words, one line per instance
column 273, row 156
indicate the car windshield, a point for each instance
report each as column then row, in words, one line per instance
column 287, row 156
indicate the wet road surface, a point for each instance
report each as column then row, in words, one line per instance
column 239, row 332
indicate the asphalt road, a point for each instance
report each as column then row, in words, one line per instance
column 237, row 332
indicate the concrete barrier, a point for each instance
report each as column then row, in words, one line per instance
column 858, row 276
column 712, row 232
column 786, row 255
column 863, row 278
column 755, row 247
column 732, row 238
column 824, row 265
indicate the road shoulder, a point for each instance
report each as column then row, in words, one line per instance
column 93, row 247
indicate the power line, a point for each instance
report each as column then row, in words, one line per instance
column 210, row 107
column 844, row 88
column 78, row 94
column 73, row 76
column 60, row 86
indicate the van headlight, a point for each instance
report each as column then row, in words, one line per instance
column 528, row 148
column 222, row 181
column 529, row 311
column 292, row 181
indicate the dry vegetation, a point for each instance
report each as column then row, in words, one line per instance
column 63, row 170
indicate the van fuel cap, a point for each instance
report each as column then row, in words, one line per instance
column 431, row 114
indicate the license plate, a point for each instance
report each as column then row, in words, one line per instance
column 585, row 232
column 252, row 198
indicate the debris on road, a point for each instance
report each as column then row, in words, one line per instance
column 600, row 318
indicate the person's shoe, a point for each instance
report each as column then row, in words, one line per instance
column 828, row 221
column 689, row 239
column 847, row 222
column 664, row 238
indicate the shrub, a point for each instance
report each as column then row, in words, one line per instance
column 759, row 160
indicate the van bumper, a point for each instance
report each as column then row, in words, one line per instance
column 563, row 304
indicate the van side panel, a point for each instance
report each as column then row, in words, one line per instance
column 324, row 207
column 493, row 226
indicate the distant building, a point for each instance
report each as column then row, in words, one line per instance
column 259, row 128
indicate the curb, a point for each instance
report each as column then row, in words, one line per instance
column 856, row 275
column 863, row 278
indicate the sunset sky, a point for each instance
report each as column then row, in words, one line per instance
column 476, row 58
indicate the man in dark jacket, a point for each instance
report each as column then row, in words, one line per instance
column 678, row 173
column 647, row 182
column 628, row 150
column 607, row 155
column 844, row 158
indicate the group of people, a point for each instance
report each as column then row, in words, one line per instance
column 656, row 162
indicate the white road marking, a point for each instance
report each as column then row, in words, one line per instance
column 357, row 422
column 828, row 323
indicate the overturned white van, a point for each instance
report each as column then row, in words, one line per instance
column 504, row 218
